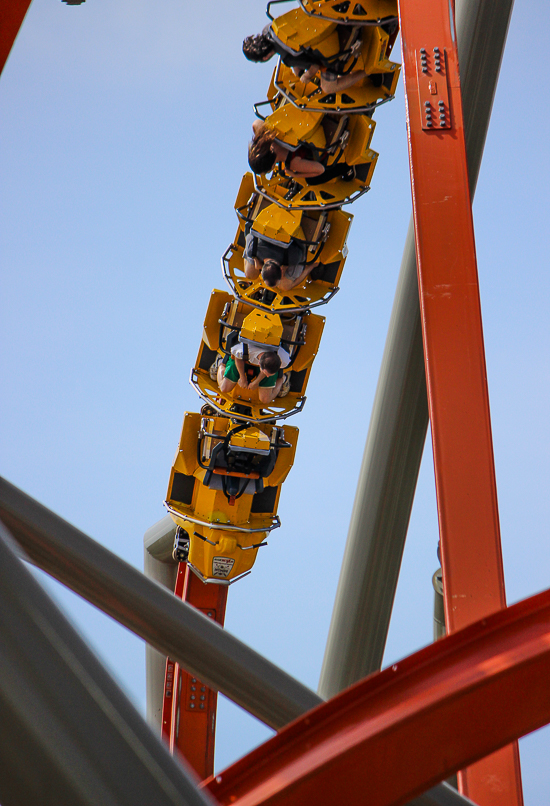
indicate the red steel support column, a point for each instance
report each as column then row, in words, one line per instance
column 189, row 709
column 453, row 346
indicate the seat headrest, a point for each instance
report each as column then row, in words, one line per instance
column 261, row 328
column 278, row 224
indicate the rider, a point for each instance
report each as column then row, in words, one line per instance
column 264, row 151
column 282, row 267
column 252, row 368
column 305, row 62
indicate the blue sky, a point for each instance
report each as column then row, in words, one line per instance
column 123, row 146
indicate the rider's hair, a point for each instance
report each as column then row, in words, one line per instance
column 271, row 273
column 270, row 362
column 257, row 47
column 260, row 156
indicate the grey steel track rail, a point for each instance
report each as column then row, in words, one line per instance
column 68, row 734
column 171, row 626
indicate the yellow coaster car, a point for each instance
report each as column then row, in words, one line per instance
column 334, row 141
column 323, row 233
column 224, row 491
column 228, row 322
column 369, row 92
column 352, row 12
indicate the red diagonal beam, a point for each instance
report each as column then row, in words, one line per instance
column 397, row 733
column 458, row 398
column 12, row 14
